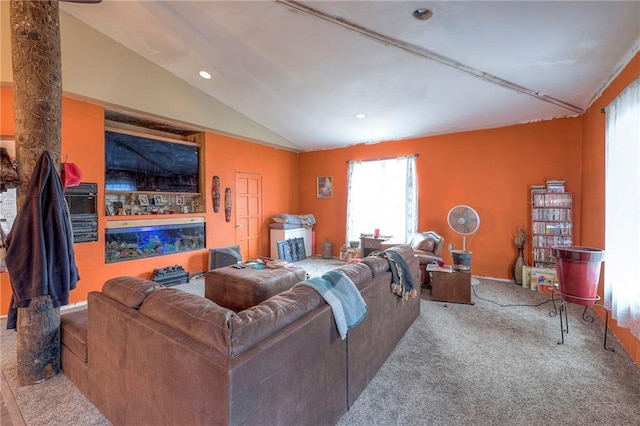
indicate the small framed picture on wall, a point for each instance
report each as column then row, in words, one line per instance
column 324, row 187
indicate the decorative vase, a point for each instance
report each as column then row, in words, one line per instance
column 517, row 266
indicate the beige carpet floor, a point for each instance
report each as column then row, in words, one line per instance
column 496, row 362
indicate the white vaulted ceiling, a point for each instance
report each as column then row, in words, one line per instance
column 303, row 70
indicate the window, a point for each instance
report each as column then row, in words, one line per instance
column 622, row 209
column 382, row 195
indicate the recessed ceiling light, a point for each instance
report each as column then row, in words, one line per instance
column 360, row 116
column 205, row 75
column 422, row 14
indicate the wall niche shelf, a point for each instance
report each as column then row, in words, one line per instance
column 142, row 203
column 152, row 168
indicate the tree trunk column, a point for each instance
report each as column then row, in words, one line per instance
column 37, row 82
column 37, row 71
column 38, row 344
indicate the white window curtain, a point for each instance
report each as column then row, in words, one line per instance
column 622, row 211
column 382, row 195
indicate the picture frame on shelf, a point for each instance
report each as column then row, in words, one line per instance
column 117, row 205
column 109, row 208
column 179, row 200
column 324, row 187
column 143, row 200
column 158, row 200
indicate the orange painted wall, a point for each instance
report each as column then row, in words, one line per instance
column 490, row 170
column 593, row 164
column 279, row 170
column 7, row 129
column 83, row 144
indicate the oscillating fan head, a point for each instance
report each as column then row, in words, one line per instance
column 463, row 219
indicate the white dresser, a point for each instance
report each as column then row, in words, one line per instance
column 287, row 234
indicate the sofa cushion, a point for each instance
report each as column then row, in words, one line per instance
column 404, row 250
column 426, row 257
column 73, row 333
column 359, row 273
column 222, row 329
column 239, row 289
column 193, row 315
column 377, row 264
column 422, row 241
column 129, row 291
column 253, row 325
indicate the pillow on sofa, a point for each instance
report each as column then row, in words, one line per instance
column 129, row 291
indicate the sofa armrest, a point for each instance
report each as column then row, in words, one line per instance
column 390, row 243
column 439, row 243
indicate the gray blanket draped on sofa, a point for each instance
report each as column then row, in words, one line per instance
column 402, row 283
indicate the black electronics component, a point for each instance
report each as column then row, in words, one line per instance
column 81, row 200
column 170, row 276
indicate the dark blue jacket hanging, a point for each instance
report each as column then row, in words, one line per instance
column 40, row 256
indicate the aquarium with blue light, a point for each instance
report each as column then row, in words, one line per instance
column 130, row 243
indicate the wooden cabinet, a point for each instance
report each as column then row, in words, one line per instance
column 288, row 234
column 371, row 244
column 451, row 286
column 551, row 225
column 135, row 203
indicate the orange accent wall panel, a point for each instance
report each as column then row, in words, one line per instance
column 593, row 165
column 6, row 129
column 83, row 144
column 7, row 125
column 490, row 170
column 225, row 156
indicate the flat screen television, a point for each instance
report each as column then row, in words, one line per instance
column 135, row 163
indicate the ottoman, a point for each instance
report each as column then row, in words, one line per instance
column 239, row 289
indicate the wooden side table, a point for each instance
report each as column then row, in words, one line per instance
column 371, row 244
column 452, row 287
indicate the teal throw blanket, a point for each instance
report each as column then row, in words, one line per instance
column 347, row 305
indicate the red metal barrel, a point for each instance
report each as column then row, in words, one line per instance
column 578, row 270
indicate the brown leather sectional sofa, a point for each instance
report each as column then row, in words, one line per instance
column 149, row 355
